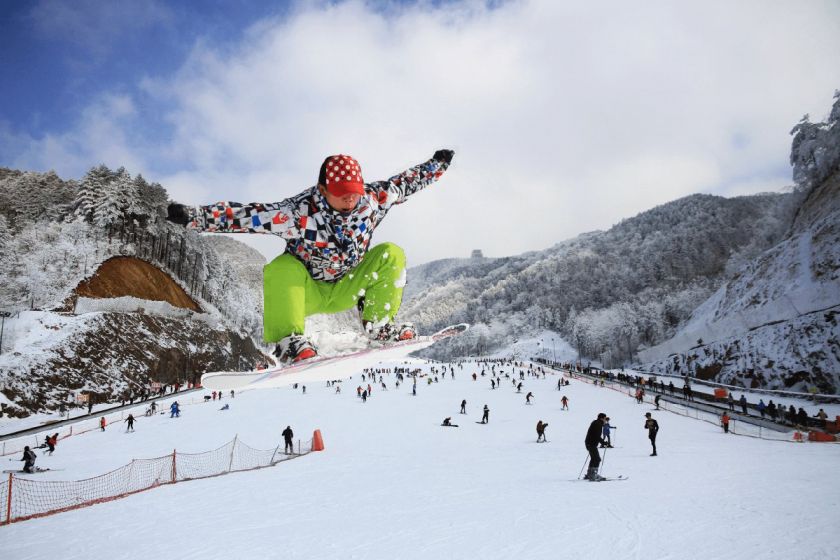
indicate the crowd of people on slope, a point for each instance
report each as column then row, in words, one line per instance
column 789, row 415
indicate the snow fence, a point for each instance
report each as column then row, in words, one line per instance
column 25, row 498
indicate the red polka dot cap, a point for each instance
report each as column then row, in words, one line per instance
column 343, row 175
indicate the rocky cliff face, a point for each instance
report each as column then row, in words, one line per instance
column 775, row 322
column 126, row 326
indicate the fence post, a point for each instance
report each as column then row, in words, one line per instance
column 232, row 451
column 174, row 471
column 9, row 501
column 71, row 429
column 298, row 447
column 273, row 455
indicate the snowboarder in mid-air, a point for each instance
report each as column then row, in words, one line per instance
column 593, row 439
column 328, row 261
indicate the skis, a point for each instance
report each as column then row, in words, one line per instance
column 36, row 471
column 603, row 479
column 233, row 379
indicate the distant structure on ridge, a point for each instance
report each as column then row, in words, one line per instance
column 477, row 254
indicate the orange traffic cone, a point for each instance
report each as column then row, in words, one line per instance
column 317, row 441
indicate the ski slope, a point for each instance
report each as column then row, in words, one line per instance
column 392, row 483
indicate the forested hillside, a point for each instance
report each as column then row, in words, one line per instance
column 607, row 292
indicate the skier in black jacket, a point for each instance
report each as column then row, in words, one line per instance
column 593, row 439
column 652, row 427
column 288, row 434
column 28, row 460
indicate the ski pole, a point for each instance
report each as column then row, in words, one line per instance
column 580, row 474
column 604, row 460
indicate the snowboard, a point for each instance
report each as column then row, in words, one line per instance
column 449, row 425
column 235, row 379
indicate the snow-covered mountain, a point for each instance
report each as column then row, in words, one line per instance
column 607, row 292
column 776, row 321
column 101, row 295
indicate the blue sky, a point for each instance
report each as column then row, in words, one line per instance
column 61, row 53
column 565, row 117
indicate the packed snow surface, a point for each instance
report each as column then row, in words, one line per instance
column 392, row 483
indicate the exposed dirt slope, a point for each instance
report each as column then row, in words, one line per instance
column 129, row 276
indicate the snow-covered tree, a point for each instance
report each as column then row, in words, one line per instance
column 815, row 150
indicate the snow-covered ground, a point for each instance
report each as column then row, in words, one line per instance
column 393, row 483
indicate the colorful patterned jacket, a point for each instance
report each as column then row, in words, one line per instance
column 329, row 243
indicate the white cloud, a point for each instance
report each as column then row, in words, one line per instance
column 565, row 118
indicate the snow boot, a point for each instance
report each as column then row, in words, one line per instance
column 593, row 476
column 295, row 348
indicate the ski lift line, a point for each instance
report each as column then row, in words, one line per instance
column 834, row 399
column 701, row 408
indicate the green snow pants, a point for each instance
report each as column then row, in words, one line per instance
column 290, row 294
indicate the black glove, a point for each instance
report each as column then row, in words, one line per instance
column 443, row 156
column 178, row 214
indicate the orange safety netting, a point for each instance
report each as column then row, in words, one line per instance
column 24, row 498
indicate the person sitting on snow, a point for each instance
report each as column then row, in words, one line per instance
column 328, row 265
column 28, row 460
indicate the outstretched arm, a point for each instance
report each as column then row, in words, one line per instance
column 233, row 217
column 399, row 187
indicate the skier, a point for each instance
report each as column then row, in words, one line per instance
column 52, row 441
column 464, row 406
column 528, row 397
column 606, row 433
column 174, row 410
column 232, row 394
column 28, row 460
column 130, row 421
column 656, row 401
column 724, row 421
column 652, row 426
column 288, row 434
column 485, row 418
column 102, row 423
column 541, row 426
column 565, row 402
column 771, row 410
column 593, row 439
column 328, row 260
column 743, row 401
